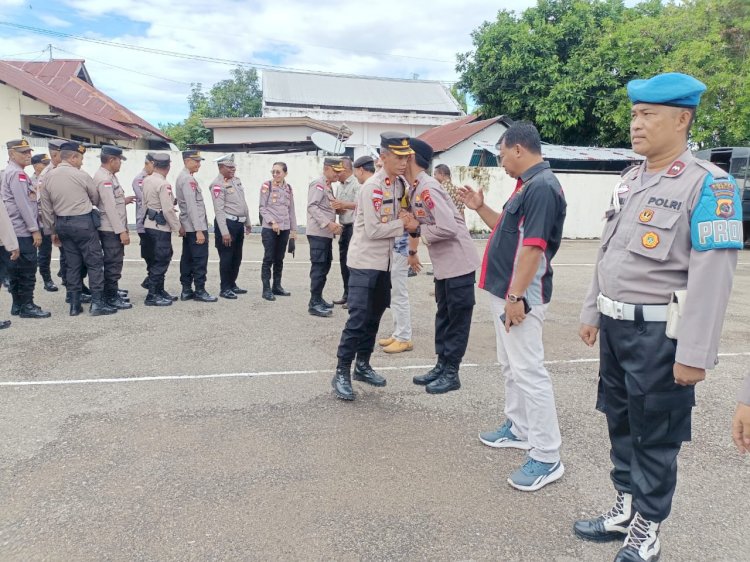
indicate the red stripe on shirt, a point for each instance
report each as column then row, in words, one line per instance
column 483, row 273
column 539, row 242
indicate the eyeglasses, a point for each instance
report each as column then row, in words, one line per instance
column 275, row 172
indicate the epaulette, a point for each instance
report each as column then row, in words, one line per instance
column 717, row 172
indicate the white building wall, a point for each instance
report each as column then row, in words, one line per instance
column 261, row 134
column 588, row 195
column 13, row 104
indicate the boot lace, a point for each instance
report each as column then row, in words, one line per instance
column 638, row 533
column 618, row 509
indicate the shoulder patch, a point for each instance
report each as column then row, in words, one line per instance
column 716, row 223
column 216, row 190
column 22, row 176
column 427, row 198
column 107, row 184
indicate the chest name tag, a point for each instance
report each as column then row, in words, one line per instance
column 716, row 223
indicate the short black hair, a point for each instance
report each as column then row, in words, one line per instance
column 523, row 133
column 282, row 164
column 443, row 169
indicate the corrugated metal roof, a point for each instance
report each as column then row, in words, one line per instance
column 559, row 152
column 357, row 92
column 449, row 135
column 63, row 76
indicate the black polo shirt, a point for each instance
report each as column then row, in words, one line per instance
column 533, row 216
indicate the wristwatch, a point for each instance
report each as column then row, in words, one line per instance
column 412, row 252
column 513, row 298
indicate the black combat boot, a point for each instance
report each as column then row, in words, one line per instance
column 316, row 309
column 75, row 303
column 146, row 283
column 363, row 372
column 123, row 293
column 165, row 295
column 201, row 295
column 187, row 293
column 609, row 526
column 113, row 299
column 431, row 375
column 49, row 285
column 278, row 289
column 237, row 291
column 155, row 297
column 342, row 382
column 30, row 310
column 446, row 382
column 99, row 307
column 267, row 293
column 324, row 303
column 15, row 308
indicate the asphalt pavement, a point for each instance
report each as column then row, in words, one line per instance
column 209, row 432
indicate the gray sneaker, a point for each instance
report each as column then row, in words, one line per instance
column 503, row 437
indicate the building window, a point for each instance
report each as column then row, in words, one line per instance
column 43, row 131
column 79, row 138
column 483, row 159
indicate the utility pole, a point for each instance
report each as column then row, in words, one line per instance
column 50, row 51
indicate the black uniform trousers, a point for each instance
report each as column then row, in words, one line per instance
column 147, row 250
column 274, row 249
column 160, row 243
column 321, row 257
column 230, row 258
column 194, row 261
column 648, row 414
column 455, row 304
column 369, row 296
column 62, row 274
column 44, row 257
column 114, row 255
column 344, row 240
column 81, row 246
column 22, row 272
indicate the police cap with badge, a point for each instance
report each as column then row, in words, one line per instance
column 226, row 160
column 73, row 146
column 363, row 161
column 55, row 144
column 395, row 142
column 40, row 159
column 160, row 159
column 192, row 154
column 19, row 145
column 109, row 150
column 335, row 163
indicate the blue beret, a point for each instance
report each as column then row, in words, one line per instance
column 671, row 88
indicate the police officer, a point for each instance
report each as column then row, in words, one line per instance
column 68, row 197
column 45, row 256
column 376, row 225
column 194, row 259
column 345, row 203
column 41, row 164
column 9, row 243
column 146, row 251
column 231, row 223
column 321, row 228
column 19, row 196
column 160, row 221
column 279, row 224
column 113, row 231
column 454, row 261
column 675, row 224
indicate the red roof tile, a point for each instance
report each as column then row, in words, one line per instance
column 447, row 136
column 61, row 76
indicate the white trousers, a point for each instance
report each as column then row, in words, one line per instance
column 529, row 396
column 400, row 309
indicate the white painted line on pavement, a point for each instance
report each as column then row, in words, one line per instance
column 63, row 382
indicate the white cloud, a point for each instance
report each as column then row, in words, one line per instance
column 53, row 21
column 387, row 38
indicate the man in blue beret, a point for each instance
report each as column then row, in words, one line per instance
column 657, row 301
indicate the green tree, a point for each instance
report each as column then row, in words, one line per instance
column 240, row 96
column 564, row 65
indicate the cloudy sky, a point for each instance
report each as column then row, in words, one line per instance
column 382, row 38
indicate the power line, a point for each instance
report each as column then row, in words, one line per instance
column 273, row 39
column 123, row 68
column 163, row 52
